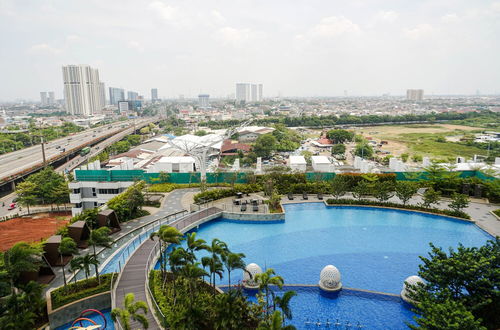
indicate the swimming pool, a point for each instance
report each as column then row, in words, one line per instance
column 94, row 317
column 374, row 249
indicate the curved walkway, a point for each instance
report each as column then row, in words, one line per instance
column 133, row 278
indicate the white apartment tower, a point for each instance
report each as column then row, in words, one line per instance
column 415, row 94
column 43, row 98
column 82, row 90
column 249, row 92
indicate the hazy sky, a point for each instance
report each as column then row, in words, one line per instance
column 295, row 48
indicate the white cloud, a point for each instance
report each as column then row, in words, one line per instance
column 73, row 38
column 420, row 31
column 44, row 49
column 450, row 18
column 334, row 26
column 136, row 45
column 217, row 17
column 236, row 37
column 387, row 16
column 495, row 6
column 165, row 11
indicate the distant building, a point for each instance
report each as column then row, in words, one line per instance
column 297, row 163
column 124, row 106
column 249, row 92
column 204, row 100
column 154, row 94
column 52, row 98
column 82, row 90
column 43, row 98
column 415, row 94
column 132, row 96
column 116, row 95
column 102, row 92
column 321, row 164
column 251, row 133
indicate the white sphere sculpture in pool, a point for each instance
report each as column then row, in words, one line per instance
column 411, row 280
column 249, row 276
column 329, row 279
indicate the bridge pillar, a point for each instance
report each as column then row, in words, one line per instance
column 13, row 185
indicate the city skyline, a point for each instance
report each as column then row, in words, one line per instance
column 314, row 49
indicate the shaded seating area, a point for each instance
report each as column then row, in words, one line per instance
column 320, row 196
column 45, row 274
column 80, row 233
column 51, row 252
column 109, row 219
column 304, row 196
column 290, row 196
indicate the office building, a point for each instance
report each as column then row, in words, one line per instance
column 154, row 94
column 203, row 100
column 249, row 92
column 132, row 96
column 52, row 98
column 116, row 95
column 415, row 94
column 82, row 90
column 43, row 98
column 102, row 93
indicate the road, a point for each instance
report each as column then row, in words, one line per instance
column 22, row 160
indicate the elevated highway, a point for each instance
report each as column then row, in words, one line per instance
column 62, row 152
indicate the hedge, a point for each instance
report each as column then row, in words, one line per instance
column 457, row 214
column 81, row 289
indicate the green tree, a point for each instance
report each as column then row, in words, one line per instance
column 26, row 194
column 467, row 276
column 22, row 308
column 265, row 145
column 384, row 191
column 275, row 322
column 131, row 312
column 67, row 247
column 339, row 136
column 430, row 197
column 404, row 157
column 84, row 263
column 264, row 280
column 134, row 139
column 361, row 189
column 22, row 257
column 283, row 303
column 405, row 190
column 339, row 186
column 338, row 149
column 200, row 133
column 167, row 235
column 99, row 237
column 458, row 202
column 233, row 261
column 364, row 150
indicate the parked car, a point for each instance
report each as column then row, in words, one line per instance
column 12, row 206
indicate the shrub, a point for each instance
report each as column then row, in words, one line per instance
column 81, row 289
column 457, row 214
column 218, row 193
column 352, row 179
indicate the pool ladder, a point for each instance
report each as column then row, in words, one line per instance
column 337, row 324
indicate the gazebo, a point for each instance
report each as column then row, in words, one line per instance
column 108, row 218
column 80, row 232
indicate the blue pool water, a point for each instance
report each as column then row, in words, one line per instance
column 374, row 249
column 371, row 311
column 95, row 317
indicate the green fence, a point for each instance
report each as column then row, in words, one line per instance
column 229, row 177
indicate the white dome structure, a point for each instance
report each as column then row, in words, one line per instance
column 329, row 279
column 412, row 280
column 249, row 276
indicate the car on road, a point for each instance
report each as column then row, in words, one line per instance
column 12, row 206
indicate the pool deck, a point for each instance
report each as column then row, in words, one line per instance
column 479, row 211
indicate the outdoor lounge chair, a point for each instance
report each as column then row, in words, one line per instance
column 304, row 196
column 243, row 208
column 290, row 196
column 256, row 208
column 320, row 196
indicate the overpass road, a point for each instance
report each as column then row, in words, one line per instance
column 17, row 164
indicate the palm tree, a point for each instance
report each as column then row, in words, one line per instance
column 167, row 235
column 99, row 237
column 233, row 261
column 75, row 265
column 130, row 311
column 215, row 267
column 283, row 303
column 266, row 279
column 275, row 323
column 84, row 263
column 67, row 247
column 192, row 272
column 194, row 244
column 22, row 257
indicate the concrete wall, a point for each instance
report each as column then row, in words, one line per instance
column 70, row 312
column 258, row 217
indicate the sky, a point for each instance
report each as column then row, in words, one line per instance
column 293, row 47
